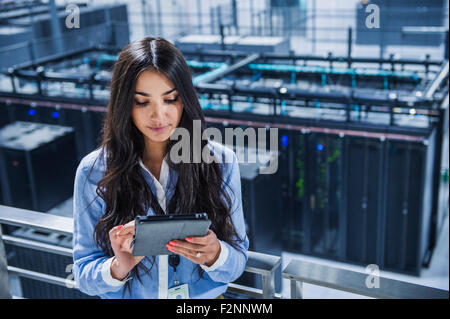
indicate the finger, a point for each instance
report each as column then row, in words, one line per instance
column 202, row 240
column 130, row 224
column 126, row 231
column 126, row 245
column 114, row 230
column 125, row 236
column 186, row 245
column 127, row 228
column 184, row 251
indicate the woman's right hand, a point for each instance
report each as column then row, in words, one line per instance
column 121, row 238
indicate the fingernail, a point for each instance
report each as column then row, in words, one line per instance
column 169, row 247
column 120, row 226
column 189, row 238
column 173, row 243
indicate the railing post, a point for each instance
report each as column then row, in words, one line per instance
column 268, row 286
column 296, row 289
column 11, row 71
column 349, row 47
column 5, row 290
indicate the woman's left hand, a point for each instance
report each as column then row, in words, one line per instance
column 200, row 250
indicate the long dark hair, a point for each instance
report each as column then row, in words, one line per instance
column 200, row 186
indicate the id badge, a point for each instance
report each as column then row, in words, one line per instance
column 179, row 292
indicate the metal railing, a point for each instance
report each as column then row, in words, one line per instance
column 299, row 272
column 258, row 263
column 4, row 278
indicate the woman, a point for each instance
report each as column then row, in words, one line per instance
column 132, row 174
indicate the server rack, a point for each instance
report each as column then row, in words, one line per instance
column 392, row 98
column 408, row 210
column 86, row 124
column 361, row 200
column 33, row 159
column 3, row 116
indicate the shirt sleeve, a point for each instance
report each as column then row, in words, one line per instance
column 231, row 262
column 108, row 278
column 220, row 260
column 89, row 259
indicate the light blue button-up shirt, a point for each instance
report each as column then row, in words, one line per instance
column 91, row 265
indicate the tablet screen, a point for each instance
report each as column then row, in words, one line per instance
column 154, row 232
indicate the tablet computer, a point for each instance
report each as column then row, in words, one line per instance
column 154, row 232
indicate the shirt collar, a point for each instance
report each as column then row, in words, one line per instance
column 163, row 174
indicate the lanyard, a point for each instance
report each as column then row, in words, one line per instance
column 174, row 260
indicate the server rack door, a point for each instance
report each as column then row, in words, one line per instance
column 404, row 206
column 324, row 187
column 15, row 179
column 4, row 115
column 295, row 230
column 54, row 167
column 363, row 200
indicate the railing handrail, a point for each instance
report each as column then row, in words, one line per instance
column 41, row 221
column 32, row 244
column 258, row 263
column 301, row 271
